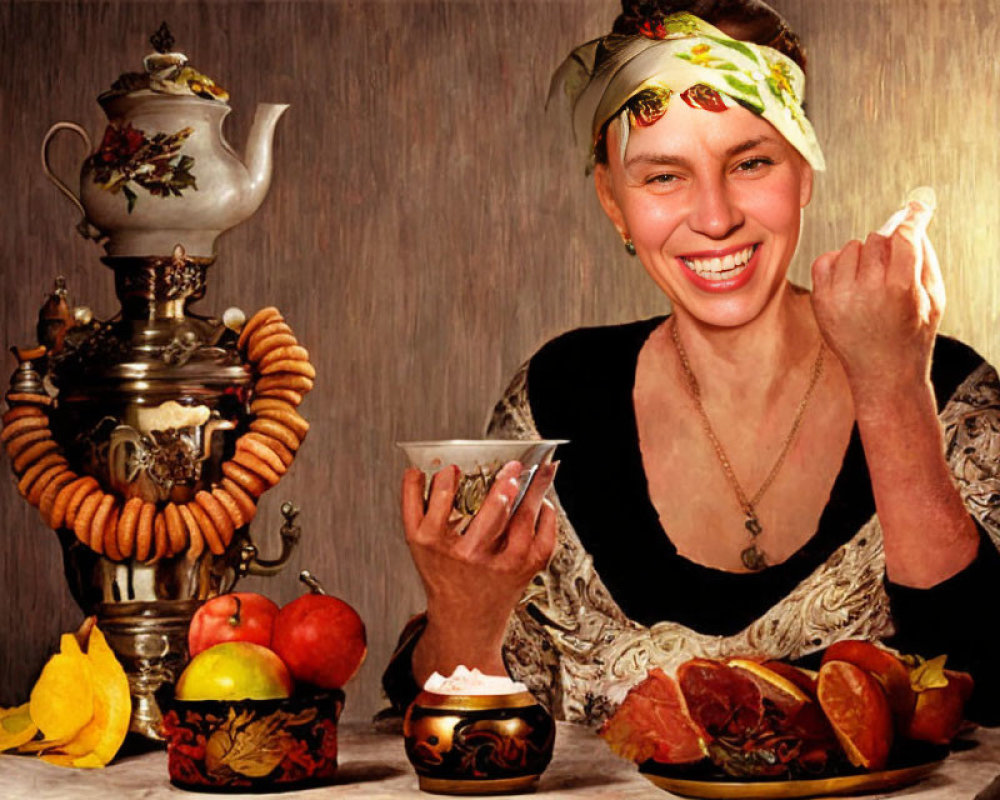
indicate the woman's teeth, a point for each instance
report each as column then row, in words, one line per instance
column 721, row 268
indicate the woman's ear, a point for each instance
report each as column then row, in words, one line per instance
column 806, row 187
column 604, row 186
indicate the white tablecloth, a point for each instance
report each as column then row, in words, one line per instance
column 373, row 765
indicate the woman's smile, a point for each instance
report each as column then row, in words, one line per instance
column 723, row 270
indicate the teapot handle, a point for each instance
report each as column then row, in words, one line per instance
column 85, row 226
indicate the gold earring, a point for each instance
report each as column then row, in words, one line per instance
column 629, row 247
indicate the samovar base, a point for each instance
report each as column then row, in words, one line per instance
column 150, row 641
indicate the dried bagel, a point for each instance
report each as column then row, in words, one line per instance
column 262, row 348
column 36, row 469
column 196, row 546
column 87, row 488
column 61, row 503
column 34, row 494
column 220, row 518
column 208, row 530
column 257, row 320
column 261, row 451
column 18, row 412
column 290, row 367
column 37, row 451
column 110, row 533
column 285, row 455
column 226, row 500
column 24, row 423
column 288, row 395
column 101, row 541
column 277, row 430
column 48, row 497
column 19, row 444
column 28, row 398
column 291, row 352
column 252, row 483
column 288, row 417
column 85, row 516
column 128, row 526
column 144, row 534
column 176, row 531
column 284, row 380
column 246, row 503
column 269, row 328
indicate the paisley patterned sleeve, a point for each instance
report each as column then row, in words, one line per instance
column 952, row 616
column 526, row 651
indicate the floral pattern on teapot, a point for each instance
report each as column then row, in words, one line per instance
column 127, row 158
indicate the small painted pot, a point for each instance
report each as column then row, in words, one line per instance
column 252, row 745
column 478, row 744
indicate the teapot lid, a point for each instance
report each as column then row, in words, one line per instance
column 165, row 72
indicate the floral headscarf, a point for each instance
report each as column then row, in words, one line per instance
column 634, row 77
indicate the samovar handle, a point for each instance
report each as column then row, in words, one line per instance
column 252, row 564
column 85, row 226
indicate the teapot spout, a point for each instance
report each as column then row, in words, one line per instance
column 258, row 152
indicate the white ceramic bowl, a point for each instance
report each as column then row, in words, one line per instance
column 480, row 460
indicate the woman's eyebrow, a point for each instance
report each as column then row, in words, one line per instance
column 749, row 144
column 660, row 159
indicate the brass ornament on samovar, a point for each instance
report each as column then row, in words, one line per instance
column 146, row 440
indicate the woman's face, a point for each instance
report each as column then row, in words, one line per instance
column 712, row 202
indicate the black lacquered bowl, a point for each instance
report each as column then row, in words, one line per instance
column 478, row 744
column 252, row 745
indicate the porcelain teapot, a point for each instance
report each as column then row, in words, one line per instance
column 163, row 174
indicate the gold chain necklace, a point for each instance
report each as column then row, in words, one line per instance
column 753, row 557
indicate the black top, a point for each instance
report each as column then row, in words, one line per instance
column 580, row 388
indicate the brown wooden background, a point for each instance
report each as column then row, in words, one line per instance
column 429, row 226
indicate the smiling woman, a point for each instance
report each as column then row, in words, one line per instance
column 763, row 472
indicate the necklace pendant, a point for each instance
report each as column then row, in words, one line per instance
column 753, row 559
column 753, row 524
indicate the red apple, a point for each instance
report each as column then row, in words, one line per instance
column 236, row 617
column 321, row 638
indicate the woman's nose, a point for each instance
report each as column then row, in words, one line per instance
column 714, row 212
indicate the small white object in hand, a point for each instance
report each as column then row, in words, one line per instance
column 465, row 681
column 924, row 195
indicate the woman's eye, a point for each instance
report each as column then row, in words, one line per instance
column 753, row 164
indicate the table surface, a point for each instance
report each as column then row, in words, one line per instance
column 373, row 765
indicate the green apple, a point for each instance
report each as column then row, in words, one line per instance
column 235, row 671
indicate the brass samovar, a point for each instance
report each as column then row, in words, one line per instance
column 145, row 440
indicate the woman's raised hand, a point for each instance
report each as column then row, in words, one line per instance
column 474, row 580
column 879, row 304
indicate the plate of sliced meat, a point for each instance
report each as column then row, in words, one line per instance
column 867, row 721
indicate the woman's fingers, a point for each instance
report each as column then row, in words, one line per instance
column 931, row 279
column 522, row 529
column 412, row 500
column 822, row 271
column 873, row 259
column 494, row 514
column 905, row 265
column 844, row 272
column 434, row 521
column 544, row 542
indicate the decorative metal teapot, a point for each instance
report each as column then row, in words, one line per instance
column 163, row 173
